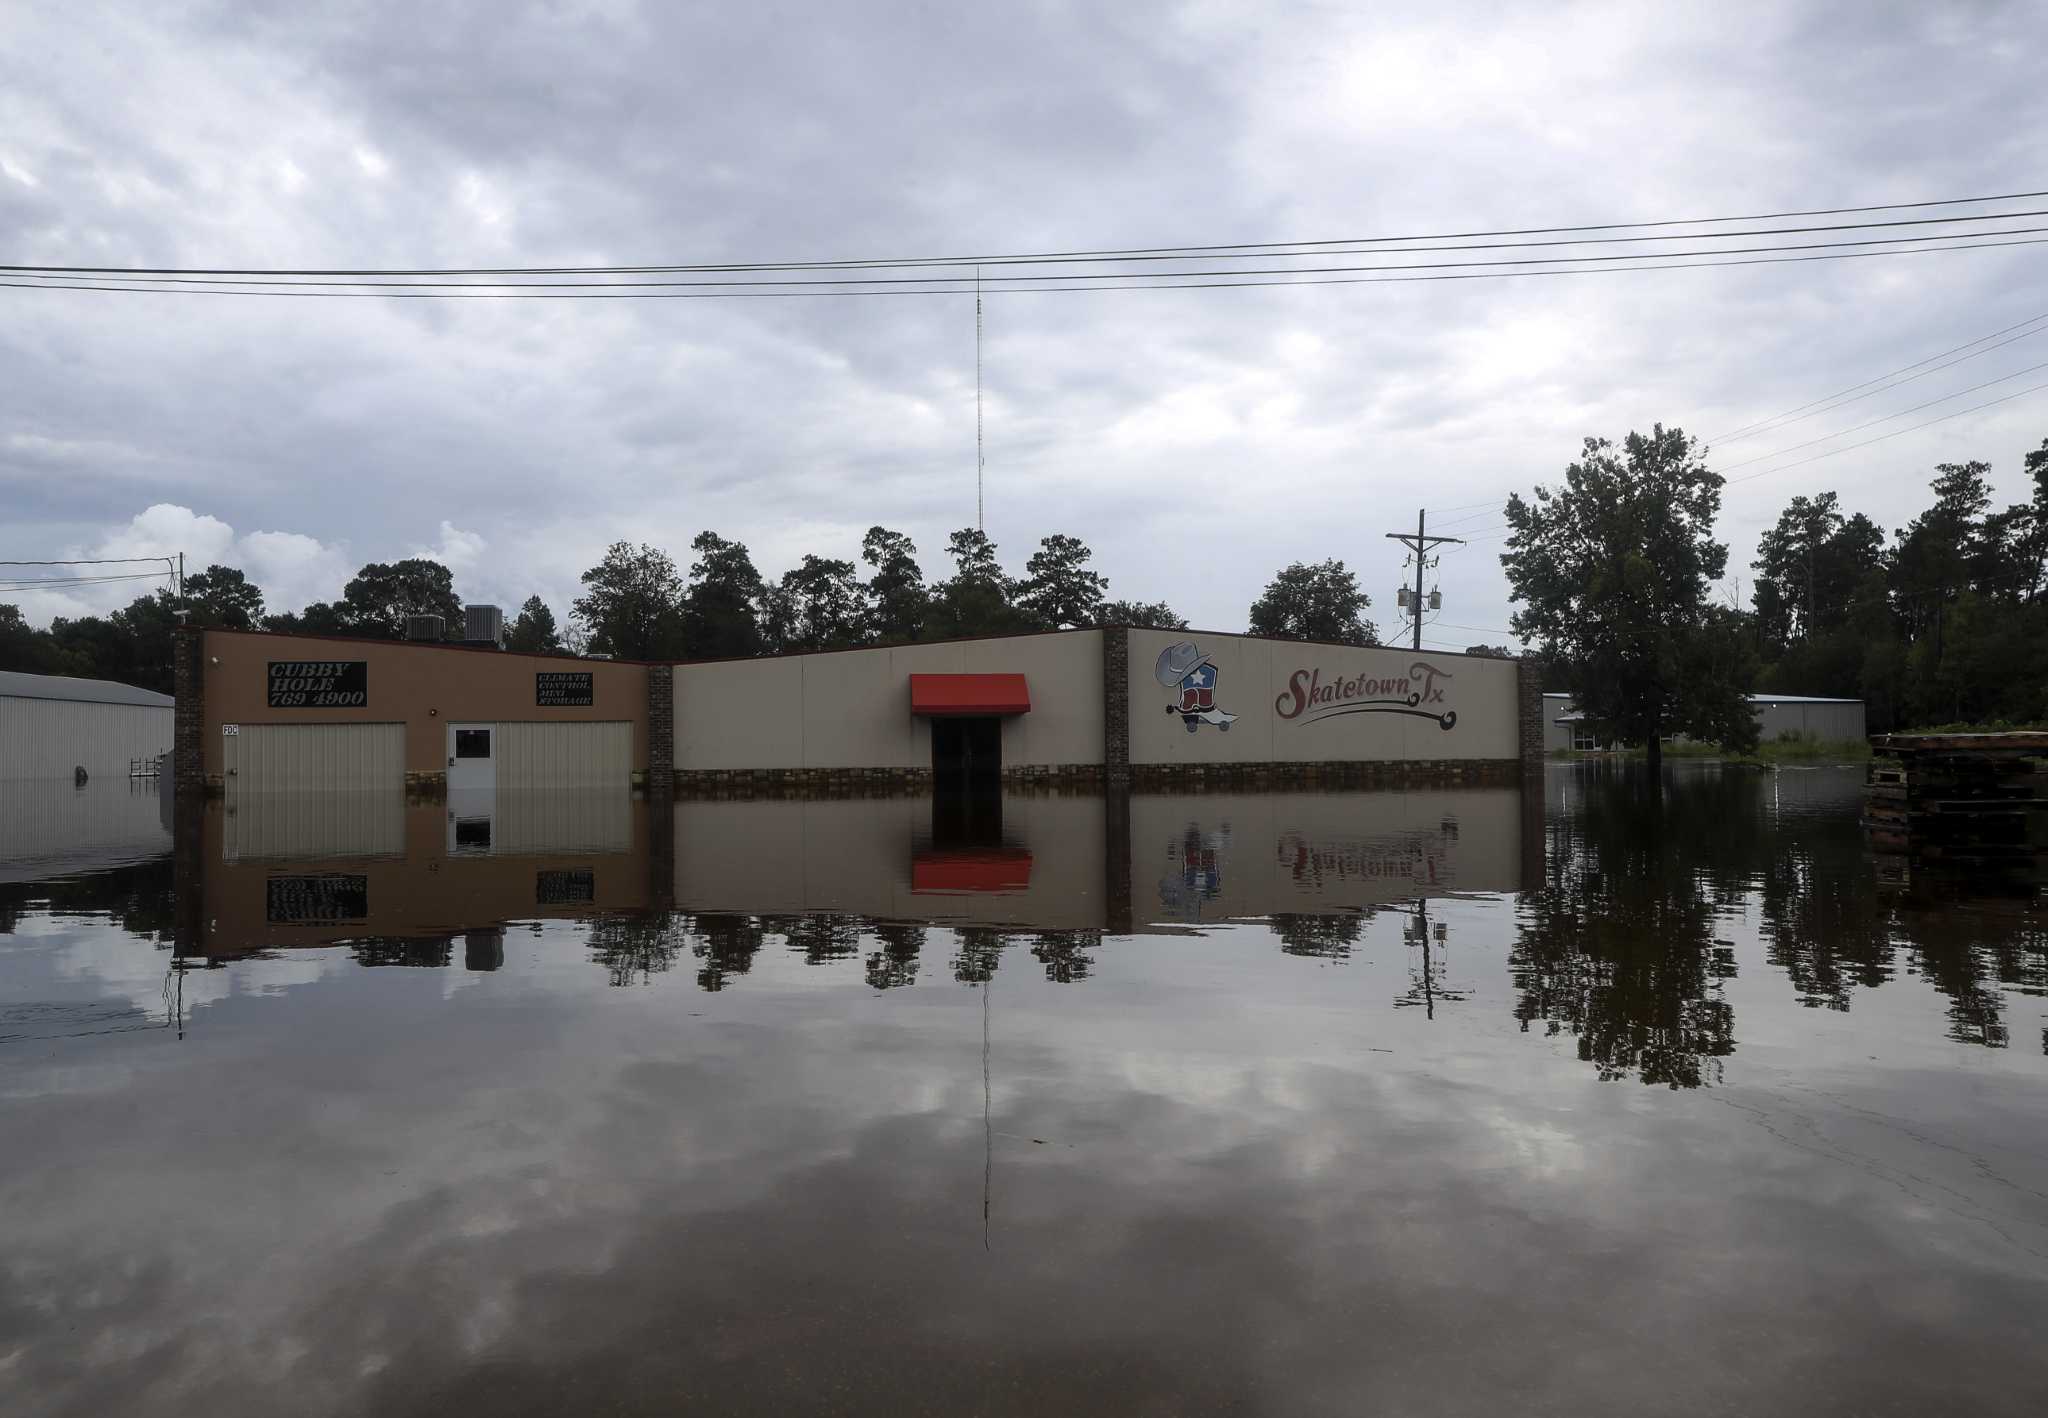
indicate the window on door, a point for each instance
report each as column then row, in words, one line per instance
column 472, row 743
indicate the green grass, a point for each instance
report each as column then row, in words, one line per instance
column 1995, row 726
column 1793, row 748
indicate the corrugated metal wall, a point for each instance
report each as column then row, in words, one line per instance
column 564, row 755
column 582, row 821
column 265, row 757
column 1832, row 723
column 297, row 826
column 48, row 738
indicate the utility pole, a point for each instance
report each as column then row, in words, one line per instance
column 1420, row 544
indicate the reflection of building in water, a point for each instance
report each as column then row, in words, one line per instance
column 1066, row 862
column 396, row 876
column 50, row 829
column 1232, row 856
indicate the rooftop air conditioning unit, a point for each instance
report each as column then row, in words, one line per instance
column 483, row 625
column 423, row 627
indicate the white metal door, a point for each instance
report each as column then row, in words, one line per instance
column 472, row 758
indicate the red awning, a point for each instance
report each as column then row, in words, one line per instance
column 962, row 870
column 969, row 694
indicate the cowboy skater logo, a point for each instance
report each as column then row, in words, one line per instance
column 1188, row 668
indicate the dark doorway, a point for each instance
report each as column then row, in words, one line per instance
column 967, row 751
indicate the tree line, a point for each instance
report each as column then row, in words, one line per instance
column 637, row 603
column 1613, row 574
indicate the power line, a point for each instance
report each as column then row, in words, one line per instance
column 1837, row 399
column 964, row 281
column 617, row 291
column 1114, row 253
column 91, row 561
column 1895, row 433
column 1887, row 418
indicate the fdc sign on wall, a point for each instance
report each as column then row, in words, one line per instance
column 1241, row 699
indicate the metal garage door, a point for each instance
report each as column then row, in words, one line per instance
column 320, row 757
column 557, row 755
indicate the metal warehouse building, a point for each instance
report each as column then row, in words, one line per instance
column 53, row 725
column 262, row 711
column 1778, row 716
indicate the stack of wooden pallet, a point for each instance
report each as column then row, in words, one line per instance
column 1957, row 795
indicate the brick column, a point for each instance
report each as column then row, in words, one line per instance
column 1116, row 859
column 661, row 729
column 188, row 718
column 661, row 787
column 1529, row 702
column 1116, row 706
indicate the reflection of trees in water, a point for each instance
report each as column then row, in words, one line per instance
column 1064, row 954
column 1973, row 945
column 1970, row 933
column 820, row 939
column 637, row 947
column 896, row 962
column 980, row 949
column 1318, row 937
column 726, row 945
column 1618, row 949
column 138, row 896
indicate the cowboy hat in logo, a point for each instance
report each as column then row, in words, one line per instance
column 1186, row 667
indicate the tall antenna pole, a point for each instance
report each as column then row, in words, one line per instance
column 980, row 462
column 1420, row 544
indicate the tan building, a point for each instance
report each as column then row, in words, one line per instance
column 263, row 712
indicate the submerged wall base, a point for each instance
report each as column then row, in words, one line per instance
column 860, row 782
column 1415, row 773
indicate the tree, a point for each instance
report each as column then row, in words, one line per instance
column 1931, row 568
column 319, row 618
column 1612, row 572
column 533, row 629
column 721, row 607
column 378, row 599
column 897, row 599
column 818, row 605
column 632, row 608
column 1059, row 591
column 1319, row 602
column 977, row 600
column 1490, row 652
column 1141, row 615
column 223, row 596
column 1809, row 566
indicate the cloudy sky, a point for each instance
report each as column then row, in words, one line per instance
column 1197, row 439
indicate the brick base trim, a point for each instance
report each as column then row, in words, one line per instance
column 1422, row 773
column 867, row 782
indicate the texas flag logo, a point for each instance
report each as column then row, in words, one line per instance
column 1186, row 667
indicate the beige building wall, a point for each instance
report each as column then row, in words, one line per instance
column 1257, row 679
column 424, row 687
column 851, row 708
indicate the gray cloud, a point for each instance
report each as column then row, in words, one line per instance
column 1197, row 439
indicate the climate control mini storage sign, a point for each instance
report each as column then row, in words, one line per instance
column 319, row 684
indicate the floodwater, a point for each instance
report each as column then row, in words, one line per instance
column 1616, row 1102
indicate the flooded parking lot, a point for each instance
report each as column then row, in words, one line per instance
column 1454, row 1101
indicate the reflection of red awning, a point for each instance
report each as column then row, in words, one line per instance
column 982, row 869
column 969, row 694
